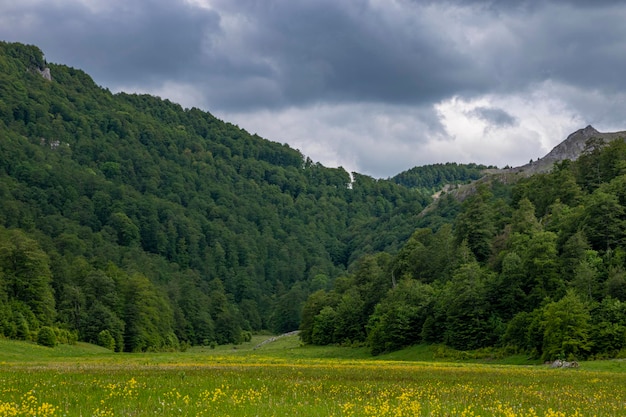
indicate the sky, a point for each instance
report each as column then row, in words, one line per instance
column 374, row 86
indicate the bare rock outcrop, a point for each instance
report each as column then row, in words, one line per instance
column 45, row 73
column 571, row 148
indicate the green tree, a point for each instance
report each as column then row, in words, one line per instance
column 288, row 309
column 127, row 231
column 228, row 326
column 26, row 274
column 324, row 327
column 616, row 284
column 373, row 279
column 399, row 318
column 468, row 317
column 147, row 316
column 525, row 331
column 541, row 263
column 98, row 318
column 312, row 307
column 505, row 292
column 567, row 324
column 475, row 224
column 604, row 221
column 608, row 327
column 586, row 276
column 523, row 219
column 350, row 318
column 105, row 339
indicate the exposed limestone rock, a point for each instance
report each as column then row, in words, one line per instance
column 45, row 73
column 563, row 364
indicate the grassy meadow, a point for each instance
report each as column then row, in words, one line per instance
column 283, row 379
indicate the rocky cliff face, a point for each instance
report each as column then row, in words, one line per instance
column 571, row 148
column 45, row 73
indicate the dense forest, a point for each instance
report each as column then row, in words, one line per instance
column 129, row 221
column 536, row 267
column 430, row 178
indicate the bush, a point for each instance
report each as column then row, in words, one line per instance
column 105, row 339
column 66, row 337
column 246, row 336
column 47, row 337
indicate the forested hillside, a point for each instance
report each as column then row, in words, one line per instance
column 129, row 221
column 432, row 178
column 535, row 267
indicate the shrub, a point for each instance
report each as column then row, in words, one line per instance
column 47, row 337
column 66, row 337
column 105, row 339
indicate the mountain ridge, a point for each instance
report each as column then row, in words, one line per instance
column 571, row 148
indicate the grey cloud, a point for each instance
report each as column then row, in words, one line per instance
column 145, row 42
column 296, row 53
column 342, row 51
column 248, row 54
column 581, row 47
column 494, row 116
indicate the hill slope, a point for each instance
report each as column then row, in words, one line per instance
column 127, row 217
column 525, row 263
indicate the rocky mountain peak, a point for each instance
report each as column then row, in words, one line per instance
column 571, row 148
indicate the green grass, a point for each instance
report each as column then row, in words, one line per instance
column 16, row 351
column 284, row 378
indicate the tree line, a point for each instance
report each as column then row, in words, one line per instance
column 536, row 267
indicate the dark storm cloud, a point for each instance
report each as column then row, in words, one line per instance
column 272, row 54
column 577, row 46
column 279, row 53
column 118, row 41
column 351, row 52
column 413, row 53
column 304, row 52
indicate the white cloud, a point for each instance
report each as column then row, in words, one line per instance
column 374, row 139
column 544, row 120
column 383, row 140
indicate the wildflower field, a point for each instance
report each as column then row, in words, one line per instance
column 92, row 382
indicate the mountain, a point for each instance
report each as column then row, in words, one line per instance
column 125, row 217
column 571, row 149
column 575, row 145
column 515, row 262
column 131, row 222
